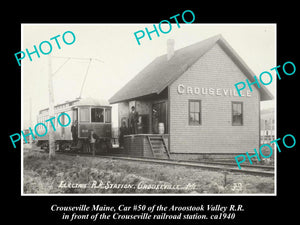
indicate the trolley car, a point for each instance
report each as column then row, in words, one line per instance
column 89, row 114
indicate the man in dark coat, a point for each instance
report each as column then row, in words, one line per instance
column 123, row 131
column 133, row 120
column 93, row 137
column 74, row 131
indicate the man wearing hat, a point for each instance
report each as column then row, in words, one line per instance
column 92, row 139
column 133, row 120
column 74, row 129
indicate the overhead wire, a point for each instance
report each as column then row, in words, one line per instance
column 77, row 58
column 86, row 73
column 61, row 66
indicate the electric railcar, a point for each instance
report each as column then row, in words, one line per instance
column 90, row 114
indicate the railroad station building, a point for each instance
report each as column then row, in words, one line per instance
column 188, row 106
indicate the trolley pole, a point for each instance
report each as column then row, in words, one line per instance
column 51, row 111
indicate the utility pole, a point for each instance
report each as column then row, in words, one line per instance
column 51, row 111
column 30, row 120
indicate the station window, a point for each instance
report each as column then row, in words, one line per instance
column 237, row 113
column 107, row 116
column 97, row 115
column 84, row 115
column 194, row 112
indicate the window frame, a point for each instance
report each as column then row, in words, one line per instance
column 89, row 115
column 91, row 109
column 242, row 113
column 189, row 112
column 105, row 115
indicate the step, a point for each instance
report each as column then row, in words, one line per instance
column 155, row 138
column 159, row 149
column 156, row 141
column 158, row 146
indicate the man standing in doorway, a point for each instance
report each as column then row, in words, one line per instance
column 133, row 120
column 74, row 129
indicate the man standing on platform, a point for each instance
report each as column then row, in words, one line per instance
column 133, row 120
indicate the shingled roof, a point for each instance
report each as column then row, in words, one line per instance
column 160, row 73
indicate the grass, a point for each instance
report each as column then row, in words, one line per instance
column 44, row 176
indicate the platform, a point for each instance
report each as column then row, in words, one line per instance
column 147, row 145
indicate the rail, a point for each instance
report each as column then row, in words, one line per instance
column 257, row 170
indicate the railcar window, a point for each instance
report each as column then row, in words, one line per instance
column 107, row 116
column 84, row 115
column 97, row 115
column 237, row 113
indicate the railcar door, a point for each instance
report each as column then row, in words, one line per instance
column 75, row 119
column 62, row 121
column 75, row 114
column 84, row 122
column 75, row 133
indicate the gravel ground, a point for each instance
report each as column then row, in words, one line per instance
column 86, row 175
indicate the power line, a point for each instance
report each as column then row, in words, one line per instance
column 79, row 58
column 60, row 67
column 68, row 58
column 86, row 73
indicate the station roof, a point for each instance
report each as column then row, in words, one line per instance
column 160, row 73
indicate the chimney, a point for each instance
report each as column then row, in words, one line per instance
column 170, row 48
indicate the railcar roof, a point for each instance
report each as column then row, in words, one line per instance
column 91, row 102
column 82, row 102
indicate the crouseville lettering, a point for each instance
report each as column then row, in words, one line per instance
column 189, row 90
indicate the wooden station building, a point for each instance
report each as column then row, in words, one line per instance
column 188, row 106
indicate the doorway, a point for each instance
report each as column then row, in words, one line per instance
column 159, row 115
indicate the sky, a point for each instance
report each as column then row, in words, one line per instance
column 121, row 58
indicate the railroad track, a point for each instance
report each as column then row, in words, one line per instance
column 257, row 170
